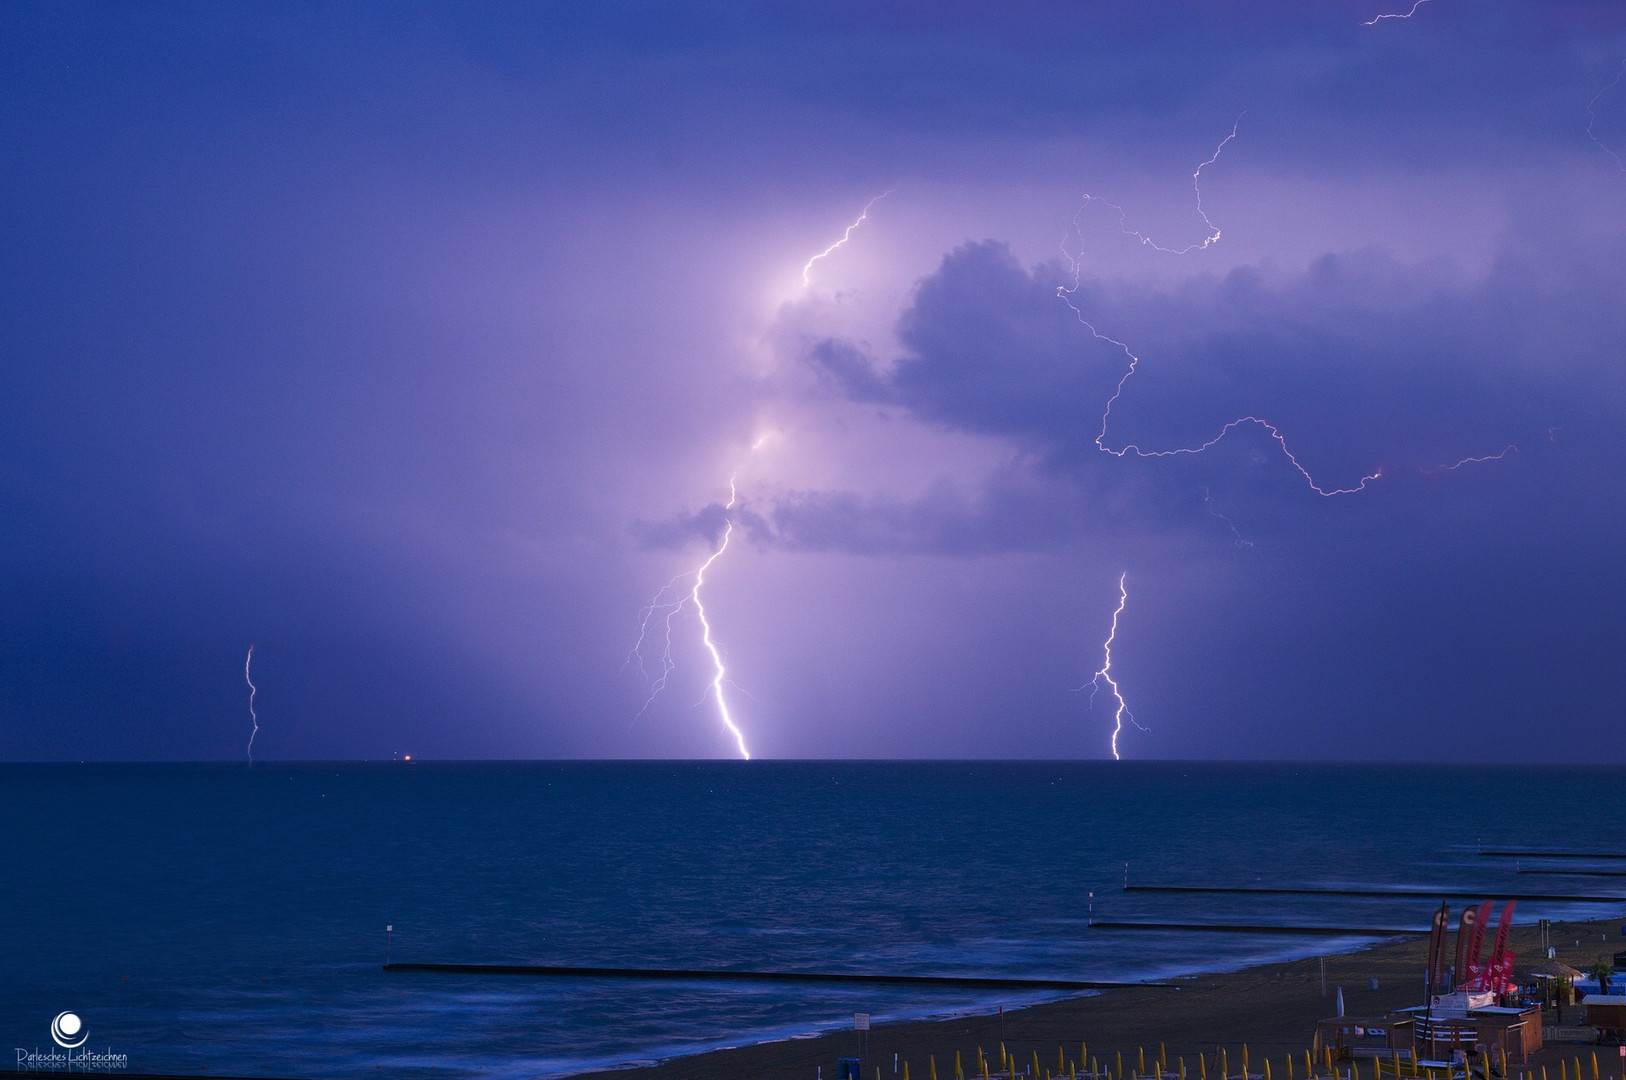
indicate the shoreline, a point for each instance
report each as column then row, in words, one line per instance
column 1271, row 1008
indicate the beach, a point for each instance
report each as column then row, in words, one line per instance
column 1271, row 1008
column 302, row 881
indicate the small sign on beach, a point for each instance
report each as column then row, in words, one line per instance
column 860, row 1021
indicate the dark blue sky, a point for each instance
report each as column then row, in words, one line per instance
column 417, row 345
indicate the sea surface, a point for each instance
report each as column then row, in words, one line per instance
column 232, row 919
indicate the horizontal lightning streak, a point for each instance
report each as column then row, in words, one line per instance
column 1135, row 450
column 1130, row 449
column 1400, row 15
column 1510, row 448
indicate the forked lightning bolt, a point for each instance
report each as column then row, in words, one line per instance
column 1196, row 185
column 807, row 269
column 1132, row 449
column 1066, row 293
column 248, row 677
column 1105, row 674
column 662, row 610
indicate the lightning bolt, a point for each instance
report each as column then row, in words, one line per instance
column 1131, row 449
column 718, row 675
column 1105, row 674
column 1402, row 15
column 1237, row 538
column 1066, row 294
column 1592, row 116
column 807, row 269
column 1196, row 185
column 1134, row 449
column 663, row 609
column 248, row 677
column 1506, row 450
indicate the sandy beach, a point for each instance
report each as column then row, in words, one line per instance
column 1272, row 1009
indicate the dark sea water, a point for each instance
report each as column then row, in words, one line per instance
column 233, row 918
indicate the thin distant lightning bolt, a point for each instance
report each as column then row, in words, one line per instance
column 1236, row 534
column 667, row 610
column 1105, row 674
column 1402, row 15
column 807, row 270
column 1506, row 450
column 252, row 690
column 662, row 610
column 1592, row 116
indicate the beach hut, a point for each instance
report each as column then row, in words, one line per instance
column 1607, row 1013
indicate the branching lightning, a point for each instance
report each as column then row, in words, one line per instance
column 248, row 677
column 1400, row 15
column 1067, row 293
column 1105, row 674
column 1237, row 539
column 807, row 269
column 1196, row 186
column 663, row 609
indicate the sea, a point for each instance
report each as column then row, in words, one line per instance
column 230, row 919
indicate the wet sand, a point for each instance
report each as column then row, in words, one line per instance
column 1272, row 1009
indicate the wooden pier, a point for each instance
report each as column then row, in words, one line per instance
column 1265, row 928
column 1536, row 853
column 967, row 982
column 1389, row 892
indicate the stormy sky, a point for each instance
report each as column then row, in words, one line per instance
column 418, row 346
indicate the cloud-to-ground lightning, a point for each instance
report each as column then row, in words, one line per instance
column 807, row 268
column 1104, row 675
column 1397, row 15
column 248, row 677
column 718, row 674
column 1592, row 117
column 663, row 609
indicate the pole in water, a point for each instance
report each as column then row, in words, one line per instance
column 389, row 931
